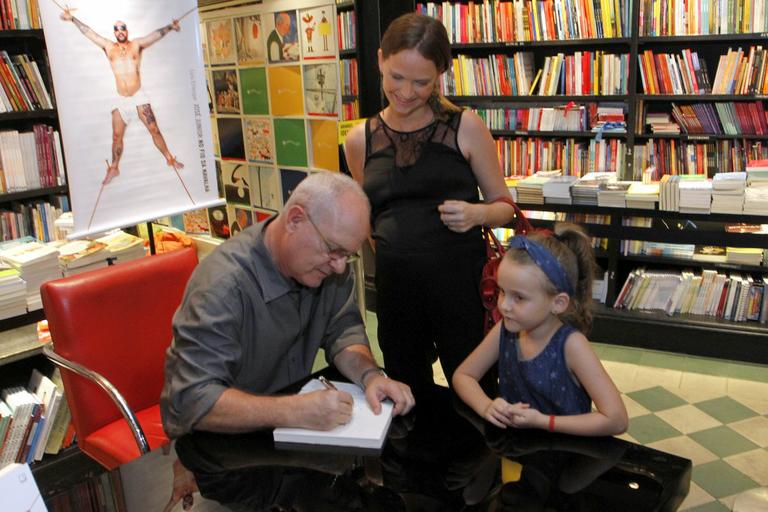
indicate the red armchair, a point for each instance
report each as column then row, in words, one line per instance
column 110, row 329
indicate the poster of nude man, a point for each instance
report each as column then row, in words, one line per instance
column 132, row 104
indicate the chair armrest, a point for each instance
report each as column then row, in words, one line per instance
column 112, row 392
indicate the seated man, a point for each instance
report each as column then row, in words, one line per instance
column 257, row 310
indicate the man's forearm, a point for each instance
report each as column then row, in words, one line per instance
column 238, row 411
column 155, row 36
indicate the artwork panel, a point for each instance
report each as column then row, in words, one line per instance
column 285, row 91
column 226, row 91
column 249, row 39
column 282, row 37
column 325, row 144
column 321, row 89
column 290, row 142
column 253, row 84
column 318, row 33
column 231, row 138
column 259, row 142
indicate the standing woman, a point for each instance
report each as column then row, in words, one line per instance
column 421, row 160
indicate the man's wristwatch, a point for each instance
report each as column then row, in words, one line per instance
column 369, row 371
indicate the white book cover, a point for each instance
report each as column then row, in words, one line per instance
column 49, row 395
column 365, row 430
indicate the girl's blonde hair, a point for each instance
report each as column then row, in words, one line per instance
column 572, row 248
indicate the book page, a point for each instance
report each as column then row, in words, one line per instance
column 365, row 430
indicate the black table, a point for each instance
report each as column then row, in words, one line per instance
column 441, row 457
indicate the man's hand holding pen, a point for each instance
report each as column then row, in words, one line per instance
column 325, row 409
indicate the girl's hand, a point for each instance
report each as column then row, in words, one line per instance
column 501, row 413
column 525, row 417
column 460, row 216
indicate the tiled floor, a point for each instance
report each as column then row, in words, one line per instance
column 710, row 411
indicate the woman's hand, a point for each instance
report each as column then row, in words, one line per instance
column 460, row 216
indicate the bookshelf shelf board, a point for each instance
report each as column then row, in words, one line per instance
column 19, row 343
column 689, row 334
column 637, row 212
column 30, row 114
column 348, row 98
column 678, row 262
column 698, row 136
column 345, row 6
column 26, row 194
column 558, row 134
column 559, row 43
column 701, row 97
column 348, row 53
column 15, row 34
column 511, row 100
column 717, row 38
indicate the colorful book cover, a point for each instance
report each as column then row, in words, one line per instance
column 325, row 145
column 253, row 85
column 236, row 184
column 317, row 33
column 258, row 139
column 282, row 38
column 196, row 221
column 249, row 39
column 291, row 142
column 221, row 42
column 254, row 180
column 262, row 215
column 269, row 179
column 226, row 92
column 240, row 217
column 290, row 179
column 231, row 138
column 321, row 89
column 218, row 219
column 285, row 91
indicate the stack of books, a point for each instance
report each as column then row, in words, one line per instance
column 661, row 123
column 531, row 189
column 642, row 195
column 13, row 293
column 584, row 190
column 695, row 196
column 728, row 192
column 78, row 256
column 558, row 189
column 612, row 194
column 744, row 255
column 122, row 246
column 36, row 263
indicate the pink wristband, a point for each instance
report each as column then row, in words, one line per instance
column 551, row 423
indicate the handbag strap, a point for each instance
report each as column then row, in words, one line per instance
column 492, row 245
column 521, row 225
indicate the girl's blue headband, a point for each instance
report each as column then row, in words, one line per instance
column 545, row 260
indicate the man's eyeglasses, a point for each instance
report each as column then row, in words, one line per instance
column 119, row 27
column 337, row 253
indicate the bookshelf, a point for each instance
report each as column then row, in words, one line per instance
column 690, row 334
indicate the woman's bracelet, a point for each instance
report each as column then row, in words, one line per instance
column 551, row 427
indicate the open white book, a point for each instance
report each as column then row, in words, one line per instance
column 365, row 430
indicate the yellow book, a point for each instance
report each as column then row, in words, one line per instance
column 605, row 11
column 746, row 18
column 536, row 27
column 535, row 80
column 657, row 18
column 618, row 17
column 457, row 77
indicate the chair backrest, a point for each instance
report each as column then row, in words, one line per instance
column 116, row 321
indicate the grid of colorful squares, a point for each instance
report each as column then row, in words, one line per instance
column 275, row 102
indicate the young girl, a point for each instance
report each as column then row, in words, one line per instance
column 548, row 373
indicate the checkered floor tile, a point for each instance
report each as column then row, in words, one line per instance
column 723, row 432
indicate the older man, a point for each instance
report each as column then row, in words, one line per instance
column 258, row 309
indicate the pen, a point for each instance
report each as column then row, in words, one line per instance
column 328, row 384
